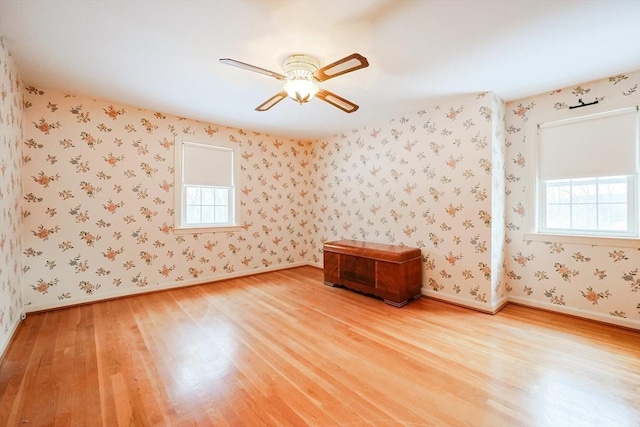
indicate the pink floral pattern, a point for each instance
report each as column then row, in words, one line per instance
column 591, row 280
column 11, row 196
column 98, row 202
column 423, row 180
column 90, row 184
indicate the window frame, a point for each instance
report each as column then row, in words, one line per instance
column 180, row 205
column 631, row 204
column 535, row 231
column 228, row 206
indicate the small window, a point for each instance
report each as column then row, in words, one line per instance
column 206, row 205
column 206, row 186
column 588, row 175
column 595, row 205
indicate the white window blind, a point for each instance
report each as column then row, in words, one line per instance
column 597, row 145
column 206, row 165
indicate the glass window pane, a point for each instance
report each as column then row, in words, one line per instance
column 222, row 196
column 193, row 196
column 583, row 192
column 193, row 214
column 612, row 217
column 612, row 191
column 599, row 204
column 222, row 214
column 208, row 215
column 584, row 216
column 558, row 216
column 558, row 192
column 207, row 196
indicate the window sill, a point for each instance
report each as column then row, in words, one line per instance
column 202, row 230
column 621, row 242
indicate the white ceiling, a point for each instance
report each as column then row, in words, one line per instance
column 163, row 55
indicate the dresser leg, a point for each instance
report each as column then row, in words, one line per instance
column 330, row 283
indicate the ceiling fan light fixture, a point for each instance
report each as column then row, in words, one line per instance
column 301, row 90
column 301, row 77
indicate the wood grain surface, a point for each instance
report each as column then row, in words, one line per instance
column 281, row 349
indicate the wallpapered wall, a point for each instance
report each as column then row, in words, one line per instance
column 94, row 182
column 98, row 184
column 10, row 196
column 98, row 202
column 423, row 180
column 602, row 282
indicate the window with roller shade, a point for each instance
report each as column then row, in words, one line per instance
column 206, row 185
column 588, row 175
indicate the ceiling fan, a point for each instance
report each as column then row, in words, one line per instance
column 302, row 74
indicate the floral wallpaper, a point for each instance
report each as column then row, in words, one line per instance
column 499, row 293
column 424, row 180
column 600, row 282
column 98, row 202
column 11, row 112
column 87, row 194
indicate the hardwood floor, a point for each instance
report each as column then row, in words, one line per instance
column 283, row 349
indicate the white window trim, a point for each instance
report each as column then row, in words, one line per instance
column 211, row 229
column 178, row 228
column 620, row 242
column 531, row 203
column 631, row 208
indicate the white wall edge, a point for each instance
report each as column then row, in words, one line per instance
column 316, row 264
column 476, row 305
column 5, row 344
column 463, row 302
column 499, row 304
column 159, row 287
column 618, row 321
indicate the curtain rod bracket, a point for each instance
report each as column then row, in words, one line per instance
column 582, row 104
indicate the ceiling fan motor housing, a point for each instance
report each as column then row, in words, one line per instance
column 300, row 64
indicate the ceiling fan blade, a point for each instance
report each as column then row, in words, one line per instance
column 253, row 68
column 272, row 101
column 350, row 63
column 337, row 101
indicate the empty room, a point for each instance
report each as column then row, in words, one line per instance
column 323, row 213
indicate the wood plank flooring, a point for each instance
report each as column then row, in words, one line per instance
column 282, row 349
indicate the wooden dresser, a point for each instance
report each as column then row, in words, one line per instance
column 391, row 272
